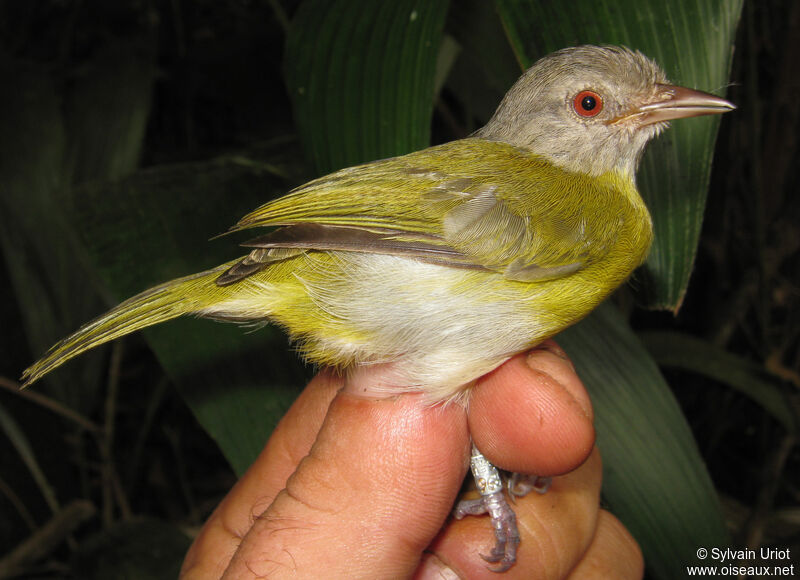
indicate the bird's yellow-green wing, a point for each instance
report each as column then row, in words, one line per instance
column 468, row 203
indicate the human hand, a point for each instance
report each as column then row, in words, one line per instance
column 352, row 486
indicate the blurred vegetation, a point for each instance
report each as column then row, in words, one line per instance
column 132, row 131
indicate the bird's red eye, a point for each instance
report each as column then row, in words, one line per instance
column 587, row 103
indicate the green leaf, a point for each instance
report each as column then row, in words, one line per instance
column 654, row 479
column 43, row 260
column 107, row 108
column 685, row 352
column 693, row 41
column 361, row 77
column 52, row 137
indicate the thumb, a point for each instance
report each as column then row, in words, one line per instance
column 373, row 491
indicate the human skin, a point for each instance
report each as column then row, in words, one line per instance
column 356, row 484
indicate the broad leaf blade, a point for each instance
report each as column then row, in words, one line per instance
column 361, row 77
column 107, row 109
column 654, row 478
column 693, row 42
column 44, row 151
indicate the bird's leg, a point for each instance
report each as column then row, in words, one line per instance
column 492, row 501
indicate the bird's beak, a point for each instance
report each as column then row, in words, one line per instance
column 674, row 102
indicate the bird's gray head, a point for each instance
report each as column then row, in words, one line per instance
column 593, row 109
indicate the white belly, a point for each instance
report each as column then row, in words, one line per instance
column 441, row 327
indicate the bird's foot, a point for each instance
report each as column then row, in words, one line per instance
column 493, row 502
column 504, row 522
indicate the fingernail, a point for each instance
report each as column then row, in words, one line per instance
column 433, row 568
column 540, row 357
column 552, row 346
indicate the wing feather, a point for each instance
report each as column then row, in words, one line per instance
column 469, row 203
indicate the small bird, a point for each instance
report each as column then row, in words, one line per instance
column 448, row 261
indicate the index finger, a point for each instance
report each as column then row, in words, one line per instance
column 291, row 440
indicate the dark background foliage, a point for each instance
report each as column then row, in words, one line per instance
column 188, row 99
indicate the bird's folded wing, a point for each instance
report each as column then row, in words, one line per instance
column 470, row 204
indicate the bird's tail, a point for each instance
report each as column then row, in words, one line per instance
column 159, row 304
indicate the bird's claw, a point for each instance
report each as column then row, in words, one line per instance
column 520, row 485
column 504, row 523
